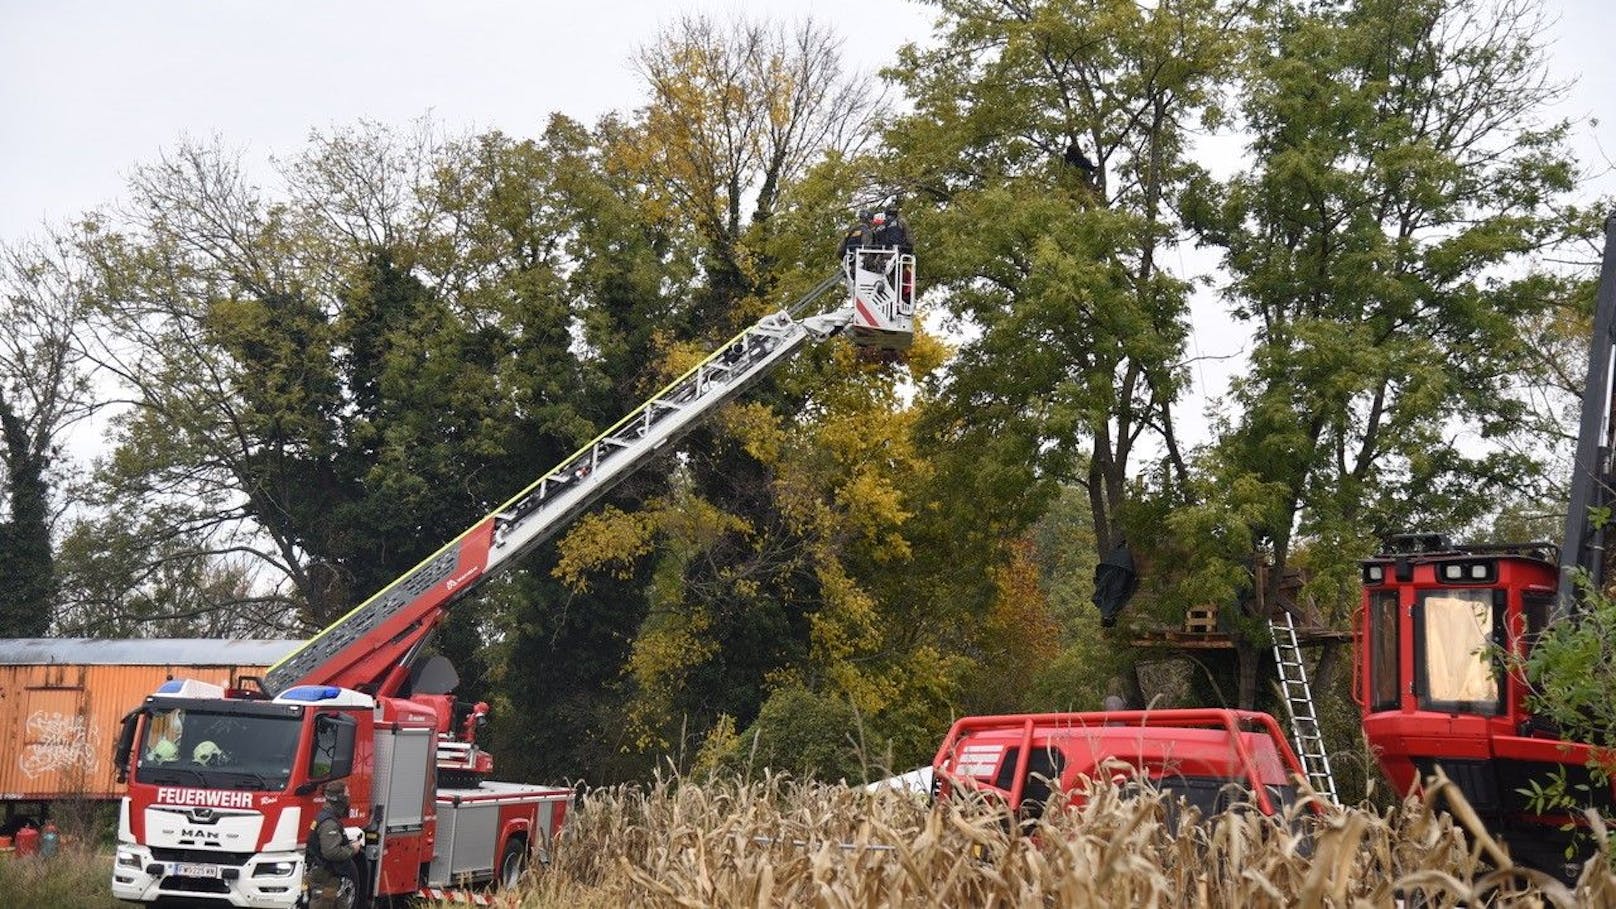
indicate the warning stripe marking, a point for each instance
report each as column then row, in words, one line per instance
column 868, row 318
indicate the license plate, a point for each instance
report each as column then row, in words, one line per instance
column 186, row 869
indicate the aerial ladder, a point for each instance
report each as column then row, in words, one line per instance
column 374, row 647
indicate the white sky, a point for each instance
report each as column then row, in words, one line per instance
column 90, row 89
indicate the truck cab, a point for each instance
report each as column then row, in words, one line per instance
column 1212, row 758
column 224, row 785
column 222, row 789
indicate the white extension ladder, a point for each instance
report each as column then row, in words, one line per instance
column 1298, row 697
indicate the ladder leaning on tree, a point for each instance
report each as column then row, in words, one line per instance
column 1298, row 697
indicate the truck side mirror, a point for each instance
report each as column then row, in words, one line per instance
column 125, row 743
column 342, row 762
column 331, row 758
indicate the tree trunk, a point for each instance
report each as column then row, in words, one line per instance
column 1329, row 658
column 1248, row 659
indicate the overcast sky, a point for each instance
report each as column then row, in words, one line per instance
column 90, row 89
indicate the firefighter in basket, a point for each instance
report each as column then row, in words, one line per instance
column 329, row 856
column 883, row 229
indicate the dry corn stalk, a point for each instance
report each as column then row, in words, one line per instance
column 779, row 842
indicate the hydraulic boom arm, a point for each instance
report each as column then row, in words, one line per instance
column 373, row 647
column 1584, row 544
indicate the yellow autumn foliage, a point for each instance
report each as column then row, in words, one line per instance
column 606, row 541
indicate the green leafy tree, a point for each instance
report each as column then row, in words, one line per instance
column 1047, row 150
column 330, row 383
column 1398, row 174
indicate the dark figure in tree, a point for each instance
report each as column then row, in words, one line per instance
column 1074, row 157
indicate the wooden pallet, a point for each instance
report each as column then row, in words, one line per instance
column 1201, row 620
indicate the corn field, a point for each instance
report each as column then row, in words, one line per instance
column 778, row 842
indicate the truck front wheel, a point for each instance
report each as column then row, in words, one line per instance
column 512, row 862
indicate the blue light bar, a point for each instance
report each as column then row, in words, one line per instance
column 172, row 686
column 311, row 693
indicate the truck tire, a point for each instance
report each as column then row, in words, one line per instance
column 512, row 863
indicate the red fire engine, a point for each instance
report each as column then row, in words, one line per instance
column 223, row 782
column 1437, row 619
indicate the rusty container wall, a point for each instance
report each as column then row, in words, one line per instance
column 62, row 701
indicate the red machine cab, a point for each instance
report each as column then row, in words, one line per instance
column 1436, row 622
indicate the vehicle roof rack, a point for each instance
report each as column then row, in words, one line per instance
column 1416, row 543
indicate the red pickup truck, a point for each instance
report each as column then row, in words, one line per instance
column 1211, row 758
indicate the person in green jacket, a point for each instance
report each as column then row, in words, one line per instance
column 332, row 875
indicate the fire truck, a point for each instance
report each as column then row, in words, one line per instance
column 1213, row 759
column 1437, row 620
column 223, row 781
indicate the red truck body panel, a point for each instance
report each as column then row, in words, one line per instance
column 1013, row 755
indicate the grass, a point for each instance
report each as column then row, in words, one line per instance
column 75, row 876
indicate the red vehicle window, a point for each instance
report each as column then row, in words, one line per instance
column 1383, row 637
column 1454, row 632
column 982, row 760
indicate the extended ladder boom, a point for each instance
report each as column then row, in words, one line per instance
column 374, row 646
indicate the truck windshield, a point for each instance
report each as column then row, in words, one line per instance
column 217, row 750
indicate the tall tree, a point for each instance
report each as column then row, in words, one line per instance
column 44, row 392
column 333, row 382
column 1048, row 148
column 559, row 671
column 1399, row 176
column 777, row 558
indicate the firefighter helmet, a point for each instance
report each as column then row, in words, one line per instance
column 207, row 753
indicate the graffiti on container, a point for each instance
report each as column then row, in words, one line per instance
column 60, row 741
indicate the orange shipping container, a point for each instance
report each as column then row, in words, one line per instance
column 62, row 699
